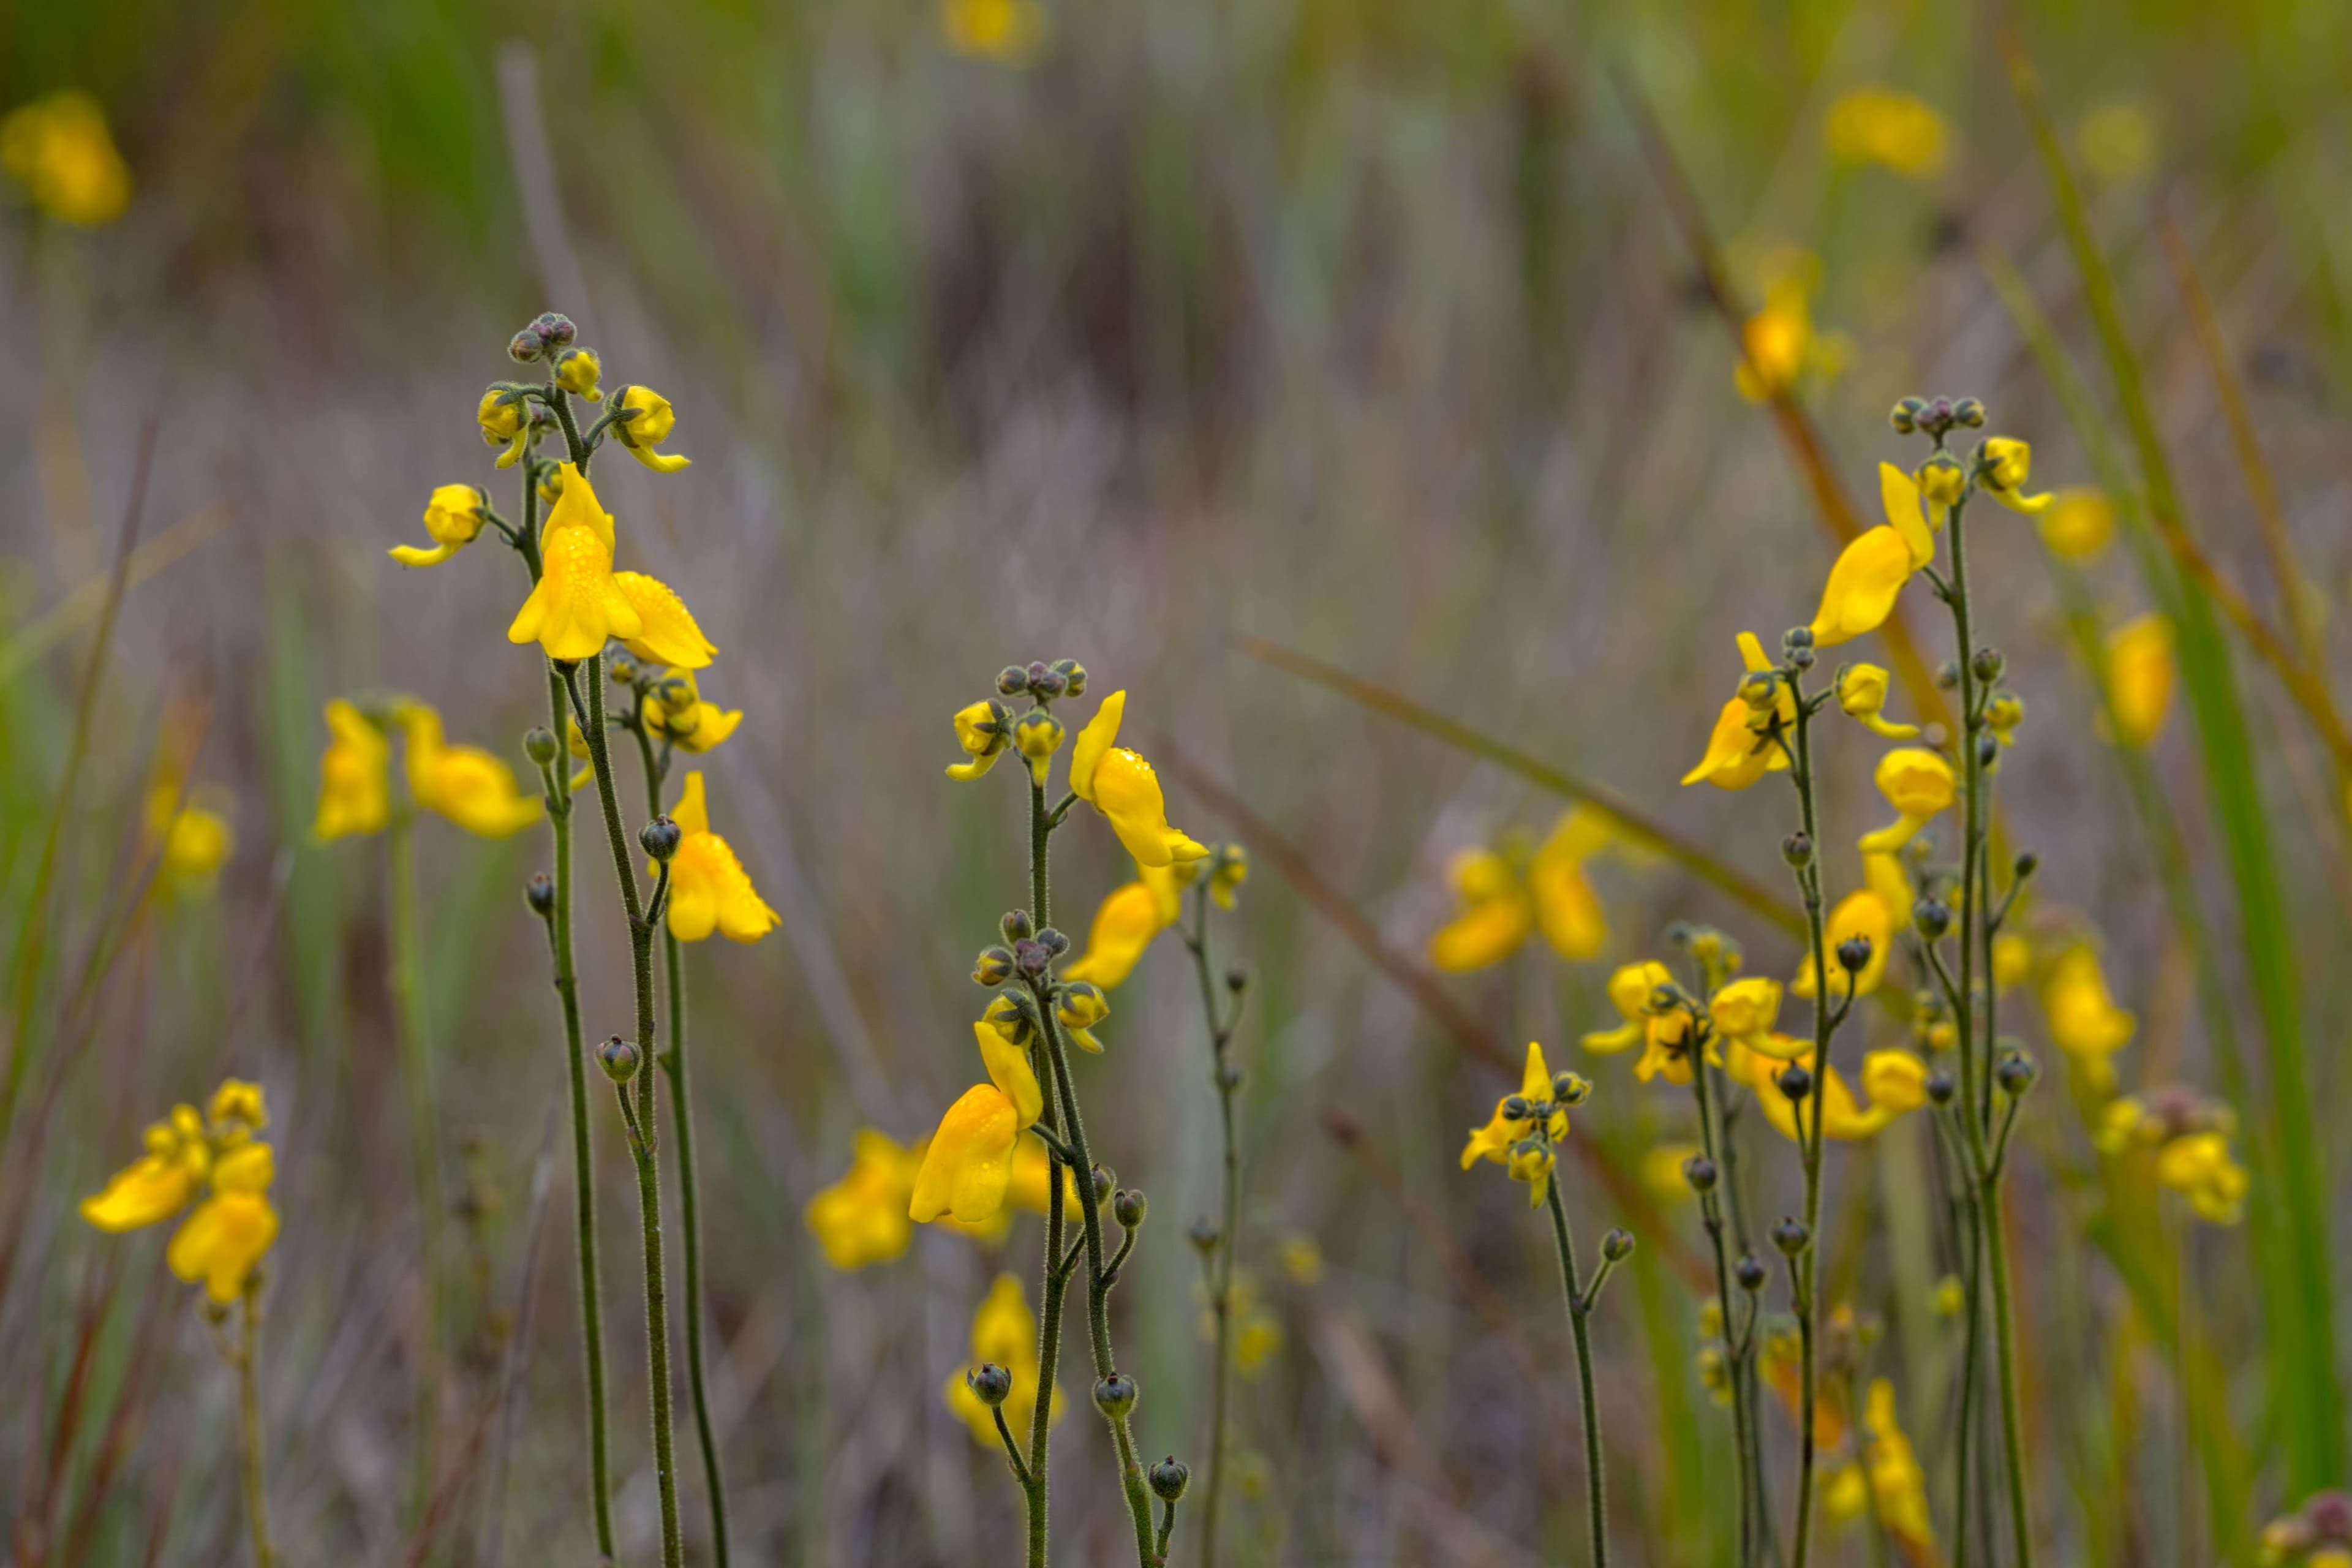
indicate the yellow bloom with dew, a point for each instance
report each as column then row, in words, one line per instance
column 453, row 518
column 60, row 149
column 232, row 1225
column 1918, row 784
column 2078, row 524
column 985, row 731
column 1863, row 913
column 2081, row 1012
column 1004, row 32
column 577, row 605
column 709, row 888
column 2118, row 142
column 2008, row 465
column 1494, row 1140
column 1126, row 923
column 1745, row 1011
column 649, row 421
column 1495, row 913
column 1630, row 989
column 354, row 775
column 505, row 420
column 1738, row 751
column 576, row 506
column 2200, row 1167
column 1003, row 1334
column 1079, row 1008
column 969, row 1166
column 1862, row 692
column 1120, row 784
column 578, row 371
column 465, row 783
column 2140, row 677
column 1893, row 130
column 690, row 723
column 192, row 841
column 667, row 633
column 862, row 1218
column 1898, row 1485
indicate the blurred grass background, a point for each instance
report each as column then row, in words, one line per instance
column 1361, row 327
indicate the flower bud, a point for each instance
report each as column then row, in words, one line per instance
column 661, row 838
column 1801, row 657
column 1105, row 1183
column 623, row 670
column 993, row 967
column 1115, row 1395
column 1037, row 736
column 1970, row 412
column 2027, row 864
column 989, row 1384
column 1986, row 664
column 1128, row 1207
column 1792, row 1238
column 1750, row 1272
column 540, row 893
column 1700, row 1173
column 1016, row 924
column 1932, row 917
column 1905, row 416
column 1052, row 942
column 1571, row 1088
column 523, row 347
column 1797, row 638
column 1795, row 1082
column 1948, row 674
column 619, row 1060
column 555, row 329
column 538, row 743
column 1853, row 955
column 1516, row 1108
column 577, row 371
column 1044, row 685
column 2015, row 1074
column 1072, row 674
column 1937, row 416
column 1168, row 1479
column 1797, row 850
column 1618, row 1245
column 1203, row 1235
column 1988, row 751
column 1031, row 957
column 1236, row 980
column 1941, row 1086
column 1012, row 681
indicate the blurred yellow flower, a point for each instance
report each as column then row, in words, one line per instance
column 862, row 1218
column 1498, row 907
column 194, row 841
column 2009, row 463
column 1894, row 1080
column 1774, row 343
column 1126, row 923
column 2200, row 1166
column 1893, row 130
column 454, row 519
column 58, row 149
column 969, row 1166
column 1495, row 913
column 226, row 1235
column 1629, row 992
column 1007, row 32
column 1918, row 784
column 1862, row 913
column 2082, row 1015
column 1255, row 1342
column 1898, row 1487
column 1494, row 1140
column 2078, row 523
column 1662, row 1170
column 667, row 632
column 2118, row 142
column 465, row 783
column 709, row 888
column 691, row 723
column 1737, row 753
column 1031, row 1187
column 1003, row 1334
column 1227, row 875
column 1745, row 1011
column 2140, row 672
column 2012, row 960
column 1121, row 785
column 1302, row 1261
column 650, row 420
column 354, row 775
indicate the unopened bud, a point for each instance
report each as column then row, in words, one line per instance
column 540, row 893
column 993, row 967
column 524, row 346
column 1571, row 1087
column 1853, row 955
column 538, row 743
column 1203, row 1234
column 1941, row 1086
column 1986, row 664
column 1750, row 1272
column 1700, row 1173
column 1970, row 412
column 619, row 1060
column 1105, row 1183
column 1792, row 1238
column 1795, row 1082
column 1168, row 1477
column 661, row 838
column 1516, row 1108
column 1115, row 1395
column 2015, row 1074
column 1012, row 681
column 1238, row 980
column 1072, row 674
column 1796, row 850
column 1128, row 1207
column 989, row 1384
column 1905, row 416
column 1932, row 917
column 1618, row 1245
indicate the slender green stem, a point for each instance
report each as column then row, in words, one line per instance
column 1579, row 1310
column 416, row 1093
column 1805, row 1265
column 248, row 1404
column 1736, row 1350
column 1053, row 1288
column 1221, row 1282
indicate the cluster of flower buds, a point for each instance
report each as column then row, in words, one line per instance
column 2320, row 1535
column 1936, row 416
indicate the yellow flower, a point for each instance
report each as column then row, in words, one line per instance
column 2118, row 142
column 196, row 842
column 709, row 888
column 1031, row 1187
column 1846, row 1492
column 1861, row 587
column 1497, row 908
column 1494, row 1140
column 1567, row 910
column 2009, row 463
column 666, row 631
column 1255, row 1341
column 1775, row 341
column 1530, row 1160
column 983, row 730
column 691, row 724
column 2140, row 677
column 1745, row 1011
column 1862, row 913
column 505, row 419
column 1629, row 992
column 1662, row 1170
column 236, row 1105
column 1862, row 692
column 1893, row 130
column 220, row 1243
column 2012, row 960
column 577, row 605
column 158, row 1184
column 1122, row 786
column 1008, row 32
column 577, row 371
column 2200, row 1167
column 650, row 421
column 1917, row 783
column 1037, row 735
column 1898, row 1487
column 1895, row 1081
column 1004, row 1332
column 1496, row 914
column 2078, row 524
column 465, row 783
column 454, row 517
column 1080, row 1008
column 862, row 1218
column 58, row 148
column 1227, row 875
column 969, row 1164
column 355, row 792
column 1738, row 754
column 226, row 1235
column 1125, row 924
column 2082, row 1015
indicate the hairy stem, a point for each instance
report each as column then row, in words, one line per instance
column 1221, row 1283
column 1579, row 1310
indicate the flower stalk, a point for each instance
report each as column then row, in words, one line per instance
column 1222, row 1022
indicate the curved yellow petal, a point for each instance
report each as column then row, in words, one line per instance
column 969, row 1164
column 668, row 633
column 1094, row 743
column 1862, row 583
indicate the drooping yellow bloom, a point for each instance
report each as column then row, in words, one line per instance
column 454, row 517
column 1006, row 32
column 1745, row 1011
column 1127, row 922
column 578, row 604
column 1497, row 908
column 1861, row 587
column 666, row 631
column 1862, row 694
column 354, row 787
column 1775, row 341
column 2140, row 679
column 1494, row 1140
column 985, row 729
column 465, row 783
column 2078, row 524
column 505, row 419
column 1496, row 914
column 691, row 724
column 1893, row 130
column 969, row 1164
column 578, row 371
column 58, row 149
column 2200, row 1166
column 1003, row 1332
column 2009, row 463
column 709, row 888
column 1079, row 1008
column 650, row 421
column 1894, row 1080
column 1862, row 913
column 861, row 1219
column 1738, row 751
column 194, row 841
column 1122, row 786
column 1917, row 783
column 1567, row 910
column 1898, row 1487
column 231, row 1228
column 158, row 1184
column 2082, row 1015
column 1630, row 989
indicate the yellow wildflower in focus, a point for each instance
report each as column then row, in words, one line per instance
column 578, row 371
column 1738, row 751
column 227, row 1233
column 577, row 605
column 453, row 518
column 985, row 729
column 2009, row 463
column 1494, row 1140
column 1302, row 1261
column 465, row 783
column 1037, row 735
column 1862, row 692
column 1863, row 584
column 709, row 888
column 1079, row 1008
column 667, row 632
column 1917, row 783
column 2140, row 672
column 969, row 1166
column 2078, row 524
column 354, row 775
column 2118, row 142
column 1120, row 784
column 1863, row 913
column 505, row 419
column 862, row 1218
column 1898, row 1487
column 58, row 149
column 1006, row 32
column 1893, row 130
column 689, row 723
column 1003, row 1334
column 2082, row 1015
column 650, row 420
column 1629, row 992
column 2200, row 1166
column 1127, row 922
